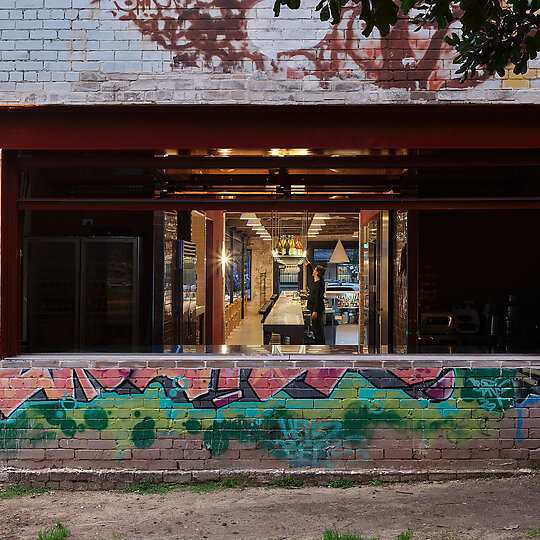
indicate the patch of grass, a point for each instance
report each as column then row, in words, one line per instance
column 210, row 487
column 288, row 482
column 58, row 532
column 151, row 488
column 118, row 535
column 234, row 483
column 341, row 483
column 13, row 492
column 332, row 534
column 376, row 483
column 407, row 535
column 533, row 533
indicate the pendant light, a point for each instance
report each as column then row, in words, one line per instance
column 339, row 255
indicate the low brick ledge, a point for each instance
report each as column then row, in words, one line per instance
column 110, row 479
column 285, row 360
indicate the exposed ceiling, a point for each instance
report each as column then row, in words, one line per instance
column 280, row 174
column 297, row 223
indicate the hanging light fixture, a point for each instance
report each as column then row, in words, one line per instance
column 339, row 255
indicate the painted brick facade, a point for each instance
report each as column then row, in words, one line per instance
column 225, row 51
column 170, row 419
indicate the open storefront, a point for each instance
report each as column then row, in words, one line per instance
column 426, row 248
column 141, row 288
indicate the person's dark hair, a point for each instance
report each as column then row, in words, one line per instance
column 320, row 270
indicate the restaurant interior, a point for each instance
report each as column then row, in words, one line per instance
column 161, row 251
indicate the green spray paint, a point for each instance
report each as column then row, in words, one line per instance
column 302, row 432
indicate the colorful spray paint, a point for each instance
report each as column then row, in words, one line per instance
column 201, row 418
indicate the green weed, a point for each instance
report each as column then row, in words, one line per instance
column 376, row 483
column 151, row 488
column 533, row 533
column 135, row 530
column 146, row 488
column 12, row 492
column 407, row 535
column 210, row 487
column 332, row 534
column 288, row 482
column 58, row 532
column 341, row 483
column 118, row 535
column 169, row 530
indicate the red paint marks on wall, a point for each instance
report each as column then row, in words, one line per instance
column 324, row 380
column 268, row 382
column 18, row 386
column 209, row 388
column 221, row 36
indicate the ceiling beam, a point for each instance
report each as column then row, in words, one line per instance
column 454, row 158
column 283, row 205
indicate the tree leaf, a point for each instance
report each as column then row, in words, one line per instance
column 325, row 13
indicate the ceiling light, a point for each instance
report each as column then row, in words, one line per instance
column 248, row 216
column 253, row 222
column 339, row 255
column 320, row 216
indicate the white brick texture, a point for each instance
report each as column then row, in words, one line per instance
column 226, row 51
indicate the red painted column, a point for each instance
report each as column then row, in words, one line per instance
column 9, row 257
column 215, row 283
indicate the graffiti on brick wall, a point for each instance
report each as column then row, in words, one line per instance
column 243, row 35
column 305, row 417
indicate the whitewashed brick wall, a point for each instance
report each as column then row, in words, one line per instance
column 226, row 51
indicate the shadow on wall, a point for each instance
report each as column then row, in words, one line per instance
column 243, row 35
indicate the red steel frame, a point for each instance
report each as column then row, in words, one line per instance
column 153, row 127
column 284, row 126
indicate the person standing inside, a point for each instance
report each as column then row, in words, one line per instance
column 315, row 304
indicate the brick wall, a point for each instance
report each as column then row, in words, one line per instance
column 400, row 282
column 136, row 51
column 174, row 418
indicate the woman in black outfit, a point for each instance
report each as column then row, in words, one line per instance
column 315, row 304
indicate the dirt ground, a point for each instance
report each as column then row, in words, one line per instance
column 468, row 509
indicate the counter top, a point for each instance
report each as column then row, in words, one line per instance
column 287, row 311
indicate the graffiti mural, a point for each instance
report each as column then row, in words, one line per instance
column 309, row 417
column 244, row 35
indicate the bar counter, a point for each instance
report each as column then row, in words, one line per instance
column 286, row 318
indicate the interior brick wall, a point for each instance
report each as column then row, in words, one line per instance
column 400, row 282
